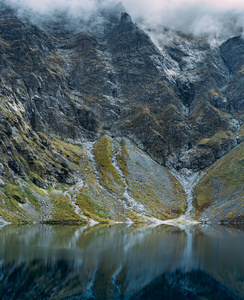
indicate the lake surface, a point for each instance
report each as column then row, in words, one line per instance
column 121, row 262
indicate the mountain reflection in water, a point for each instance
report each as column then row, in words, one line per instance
column 121, row 262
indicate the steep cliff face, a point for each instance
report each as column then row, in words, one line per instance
column 85, row 107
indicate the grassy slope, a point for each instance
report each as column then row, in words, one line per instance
column 219, row 196
column 151, row 184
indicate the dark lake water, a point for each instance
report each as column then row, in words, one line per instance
column 121, row 262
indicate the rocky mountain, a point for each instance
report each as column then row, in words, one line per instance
column 101, row 120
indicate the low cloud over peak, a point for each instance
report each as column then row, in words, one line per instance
column 217, row 21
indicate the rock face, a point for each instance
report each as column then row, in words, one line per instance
column 175, row 100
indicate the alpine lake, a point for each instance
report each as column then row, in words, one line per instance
column 122, row 261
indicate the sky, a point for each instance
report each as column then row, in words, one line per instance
column 216, row 19
column 140, row 5
column 216, row 3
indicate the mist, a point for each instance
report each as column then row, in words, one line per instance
column 217, row 21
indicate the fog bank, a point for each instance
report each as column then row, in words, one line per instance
column 217, row 21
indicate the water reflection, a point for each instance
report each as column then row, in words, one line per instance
column 121, row 262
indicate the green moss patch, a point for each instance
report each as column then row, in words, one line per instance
column 221, row 137
column 110, row 178
column 11, row 199
column 63, row 211
column 91, row 209
column 15, row 193
column 241, row 132
column 122, row 159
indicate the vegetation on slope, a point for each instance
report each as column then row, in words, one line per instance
column 219, row 195
column 110, row 177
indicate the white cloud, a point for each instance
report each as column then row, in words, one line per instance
column 154, row 7
column 217, row 19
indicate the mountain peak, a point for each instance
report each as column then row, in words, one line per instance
column 126, row 18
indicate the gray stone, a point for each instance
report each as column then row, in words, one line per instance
column 1, row 169
column 2, row 183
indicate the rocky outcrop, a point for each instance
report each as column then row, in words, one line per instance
column 234, row 91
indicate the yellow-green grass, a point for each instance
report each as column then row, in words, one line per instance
column 228, row 173
column 110, row 177
column 91, row 209
column 63, row 210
